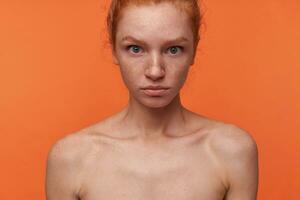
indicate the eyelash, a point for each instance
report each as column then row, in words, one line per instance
column 179, row 47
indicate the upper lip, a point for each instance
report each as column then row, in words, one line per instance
column 154, row 87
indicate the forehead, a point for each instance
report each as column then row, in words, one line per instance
column 155, row 21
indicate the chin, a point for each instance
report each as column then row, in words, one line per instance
column 155, row 102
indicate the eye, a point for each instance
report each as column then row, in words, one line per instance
column 134, row 49
column 175, row 49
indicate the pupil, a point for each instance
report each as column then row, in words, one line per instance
column 173, row 50
column 135, row 49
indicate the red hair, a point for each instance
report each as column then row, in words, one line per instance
column 191, row 7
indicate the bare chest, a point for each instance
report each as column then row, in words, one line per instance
column 152, row 175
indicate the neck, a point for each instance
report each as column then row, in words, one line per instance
column 145, row 122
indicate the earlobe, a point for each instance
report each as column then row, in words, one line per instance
column 193, row 61
column 115, row 59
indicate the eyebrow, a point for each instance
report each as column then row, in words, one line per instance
column 176, row 40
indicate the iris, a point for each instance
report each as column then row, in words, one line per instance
column 134, row 48
column 174, row 50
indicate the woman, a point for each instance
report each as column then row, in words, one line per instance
column 154, row 148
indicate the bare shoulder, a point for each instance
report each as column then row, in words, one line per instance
column 227, row 141
column 230, row 141
column 75, row 146
column 68, row 148
column 72, row 149
column 225, row 137
column 64, row 166
column 237, row 153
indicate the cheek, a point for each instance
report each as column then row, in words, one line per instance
column 127, row 75
column 130, row 74
column 180, row 75
column 181, row 66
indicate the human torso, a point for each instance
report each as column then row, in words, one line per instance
column 173, row 169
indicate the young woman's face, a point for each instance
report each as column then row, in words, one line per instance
column 154, row 48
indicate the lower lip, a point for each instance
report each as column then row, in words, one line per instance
column 155, row 93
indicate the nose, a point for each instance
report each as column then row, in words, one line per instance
column 155, row 70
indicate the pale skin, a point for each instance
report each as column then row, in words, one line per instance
column 154, row 149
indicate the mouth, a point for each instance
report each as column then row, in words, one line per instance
column 155, row 92
column 155, row 87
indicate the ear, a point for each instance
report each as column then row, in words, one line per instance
column 114, row 57
column 193, row 61
column 194, row 57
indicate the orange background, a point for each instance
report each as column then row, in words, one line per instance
column 57, row 76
